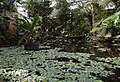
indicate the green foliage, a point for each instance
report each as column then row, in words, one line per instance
column 117, row 4
column 8, row 5
column 70, row 22
column 111, row 25
column 80, row 23
column 7, row 10
column 30, row 27
column 38, row 8
column 4, row 20
column 64, row 17
column 18, row 64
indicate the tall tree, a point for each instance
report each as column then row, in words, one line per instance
column 64, row 14
column 39, row 8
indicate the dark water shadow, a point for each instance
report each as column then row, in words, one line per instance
column 65, row 59
column 39, row 49
column 105, row 50
column 102, row 50
column 112, row 78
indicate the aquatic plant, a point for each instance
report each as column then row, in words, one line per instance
column 17, row 64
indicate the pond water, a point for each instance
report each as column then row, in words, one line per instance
column 68, row 63
column 101, row 50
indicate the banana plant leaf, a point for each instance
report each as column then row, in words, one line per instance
column 114, row 18
column 109, row 22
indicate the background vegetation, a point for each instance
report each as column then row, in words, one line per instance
column 65, row 18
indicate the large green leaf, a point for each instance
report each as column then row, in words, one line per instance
column 112, row 17
column 21, row 40
column 28, row 23
column 116, row 20
column 35, row 22
column 25, row 23
column 118, row 36
column 109, row 22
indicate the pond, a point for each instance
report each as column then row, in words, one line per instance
column 99, row 49
column 69, row 63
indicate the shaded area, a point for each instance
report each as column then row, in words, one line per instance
column 112, row 78
column 8, row 40
column 65, row 59
column 68, row 44
column 100, row 49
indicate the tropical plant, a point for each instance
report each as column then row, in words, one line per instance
column 80, row 23
column 30, row 35
column 111, row 25
column 7, row 10
column 63, row 17
column 9, row 6
column 97, row 12
column 40, row 8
